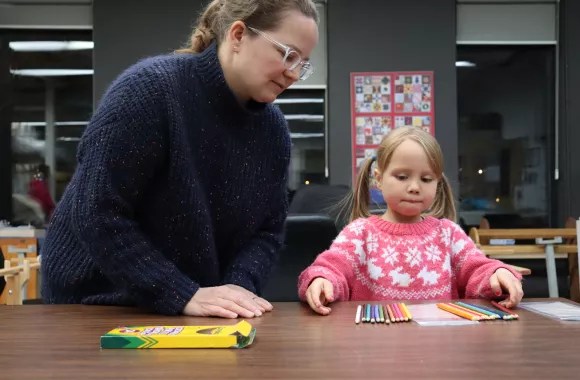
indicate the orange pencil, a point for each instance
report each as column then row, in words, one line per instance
column 504, row 309
column 458, row 312
column 406, row 311
column 391, row 314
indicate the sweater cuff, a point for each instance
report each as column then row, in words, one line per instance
column 313, row 273
column 177, row 293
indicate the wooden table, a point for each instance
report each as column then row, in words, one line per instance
column 62, row 342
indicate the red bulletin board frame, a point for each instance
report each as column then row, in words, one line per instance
column 373, row 96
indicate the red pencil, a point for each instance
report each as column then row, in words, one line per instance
column 504, row 309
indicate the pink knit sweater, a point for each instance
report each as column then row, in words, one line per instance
column 373, row 259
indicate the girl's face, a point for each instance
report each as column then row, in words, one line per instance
column 408, row 183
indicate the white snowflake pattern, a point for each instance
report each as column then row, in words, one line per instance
column 372, row 243
column 374, row 271
column 391, row 255
column 446, row 236
column 413, row 256
column 428, row 277
column 458, row 246
column 399, row 278
column 341, row 239
column 357, row 227
column 359, row 251
column 432, row 253
column 447, row 263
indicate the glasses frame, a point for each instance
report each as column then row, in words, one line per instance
column 306, row 68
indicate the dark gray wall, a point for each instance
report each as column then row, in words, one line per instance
column 394, row 35
column 569, row 158
column 5, row 132
column 129, row 30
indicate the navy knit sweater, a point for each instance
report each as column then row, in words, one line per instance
column 178, row 186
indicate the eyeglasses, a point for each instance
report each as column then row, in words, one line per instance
column 291, row 57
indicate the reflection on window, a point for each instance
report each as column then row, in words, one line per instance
column 506, row 108
column 52, row 102
column 304, row 110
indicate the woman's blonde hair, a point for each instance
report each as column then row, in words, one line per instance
column 443, row 206
column 219, row 15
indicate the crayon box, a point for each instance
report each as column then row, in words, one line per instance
column 239, row 335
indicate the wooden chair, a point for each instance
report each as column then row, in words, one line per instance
column 573, row 263
column 14, row 248
column 557, row 246
column 17, row 274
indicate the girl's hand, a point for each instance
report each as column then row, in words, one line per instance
column 320, row 294
column 504, row 279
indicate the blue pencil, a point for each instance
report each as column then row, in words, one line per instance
column 368, row 312
column 377, row 316
column 478, row 309
column 502, row 314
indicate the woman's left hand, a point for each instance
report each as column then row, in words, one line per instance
column 504, row 279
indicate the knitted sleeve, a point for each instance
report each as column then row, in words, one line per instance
column 471, row 267
column 334, row 264
column 120, row 153
column 253, row 264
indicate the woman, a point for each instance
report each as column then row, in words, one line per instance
column 179, row 198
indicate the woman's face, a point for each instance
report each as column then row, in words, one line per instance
column 259, row 56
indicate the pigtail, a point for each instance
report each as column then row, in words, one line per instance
column 361, row 196
column 444, row 205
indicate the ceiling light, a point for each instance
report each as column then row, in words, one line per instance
column 39, row 46
column 464, row 64
column 51, row 72
column 24, row 124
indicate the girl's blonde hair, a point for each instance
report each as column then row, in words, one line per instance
column 219, row 15
column 443, row 206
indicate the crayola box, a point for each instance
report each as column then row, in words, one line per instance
column 236, row 336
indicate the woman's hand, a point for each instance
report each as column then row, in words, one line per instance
column 227, row 301
column 504, row 279
column 320, row 294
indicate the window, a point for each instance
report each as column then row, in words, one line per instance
column 304, row 109
column 506, row 124
column 51, row 84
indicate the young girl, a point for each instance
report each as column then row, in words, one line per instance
column 414, row 251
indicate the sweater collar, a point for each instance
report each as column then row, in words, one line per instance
column 210, row 71
column 423, row 227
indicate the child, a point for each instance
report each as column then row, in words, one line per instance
column 414, row 251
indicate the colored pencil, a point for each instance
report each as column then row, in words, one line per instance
column 478, row 309
column 391, row 315
column 406, row 311
column 381, row 313
column 386, row 313
column 377, row 314
column 403, row 314
column 482, row 316
column 368, row 312
column 397, row 310
column 460, row 313
column 358, row 313
column 504, row 309
column 501, row 314
column 373, row 314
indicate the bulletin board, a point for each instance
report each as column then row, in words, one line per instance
column 382, row 101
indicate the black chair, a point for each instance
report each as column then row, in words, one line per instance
column 306, row 237
column 321, row 200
